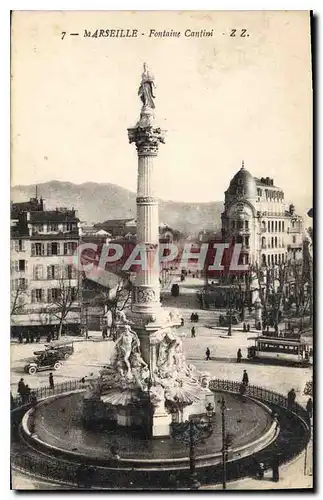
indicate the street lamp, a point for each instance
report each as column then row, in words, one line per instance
column 190, row 433
column 230, row 313
column 226, row 443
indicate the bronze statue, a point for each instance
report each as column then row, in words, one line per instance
column 146, row 89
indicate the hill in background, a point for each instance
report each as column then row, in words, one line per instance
column 96, row 202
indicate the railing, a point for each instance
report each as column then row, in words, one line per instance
column 85, row 476
column 259, row 393
column 44, row 392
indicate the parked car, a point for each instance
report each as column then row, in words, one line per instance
column 44, row 360
column 65, row 348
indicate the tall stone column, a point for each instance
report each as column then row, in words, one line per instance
column 147, row 138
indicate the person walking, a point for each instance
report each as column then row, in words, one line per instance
column 309, row 409
column 21, row 387
column 207, row 354
column 245, row 378
column 291, row 397
column 51, row 381
column 239, row 356
column 193, row 332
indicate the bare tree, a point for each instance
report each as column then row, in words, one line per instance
column 114, row 300
column 63, row 300
column 18, row 300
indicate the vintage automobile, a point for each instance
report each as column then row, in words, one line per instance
column 44, row 360
column 64, row 348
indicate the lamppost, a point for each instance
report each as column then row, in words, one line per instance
column 230, row 311
column 191, row 432
column 226, row 443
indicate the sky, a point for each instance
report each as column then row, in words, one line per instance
column 222, row 99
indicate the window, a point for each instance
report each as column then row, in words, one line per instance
column 70, row 247
column 53, row 294
column 246, row 224
column 37, row 249
column 74, row 293
column 19, row 245
column 294, row 239
column 22, row 265
column 70, row 226
column 70, row 272
column 53, row 248
column 276, row 226
column 38, row 295
column 279, row 226
column 240, row 224
column 19, row 284
column 38, row 272
column 283, row 226
column 53, row 272
column 269, row 226
column 247, row 241
column 53, row 227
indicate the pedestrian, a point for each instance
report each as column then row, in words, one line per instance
column 26, row 394
column 20, row 338
column 32, row 338
column 51, row 380
column 21, row 387
column 193, row 332
column 182, row 321
column 207, row 354
column 239, row 356
column 275, row 468
column 244, row 327
column 196, row 317
column 309, row 409
column 248, row 327
column 245, row 378
column 291, row 397
column 267, row 328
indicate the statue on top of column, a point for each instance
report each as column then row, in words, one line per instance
column 146, row 89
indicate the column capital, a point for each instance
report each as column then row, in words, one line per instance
column 147, row 139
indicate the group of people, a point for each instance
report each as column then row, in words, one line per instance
column 24, row 391
column 29, row 338
column 246, row 327
column 194, row 318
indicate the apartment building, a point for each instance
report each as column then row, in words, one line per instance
column 45, row 288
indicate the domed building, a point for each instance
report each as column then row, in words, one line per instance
column 255, row 216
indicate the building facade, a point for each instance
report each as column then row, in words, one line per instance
column 255, row 215
column 45, row 288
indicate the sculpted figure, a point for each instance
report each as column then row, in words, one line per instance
column 126, row 342
column 140, row 370
column 146, row 89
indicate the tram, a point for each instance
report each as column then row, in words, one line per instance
column 282, row 349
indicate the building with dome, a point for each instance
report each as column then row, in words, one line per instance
column 255, row 215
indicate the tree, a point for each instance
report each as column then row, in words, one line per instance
column 63, row 299
column 18, row 299
column 114, row 300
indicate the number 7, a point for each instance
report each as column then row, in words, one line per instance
column 63, row 34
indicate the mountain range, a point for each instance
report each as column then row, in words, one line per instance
column 97, row 202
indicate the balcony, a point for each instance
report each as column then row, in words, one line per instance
column 263, row 230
